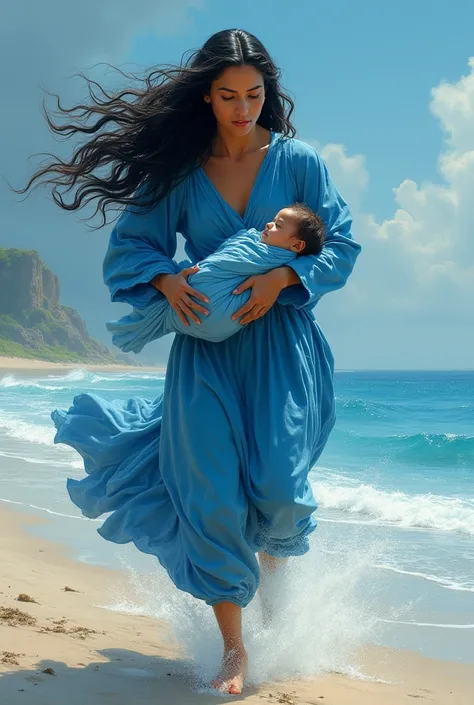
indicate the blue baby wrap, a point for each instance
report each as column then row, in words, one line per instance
column 238, row 258
column 216, row 468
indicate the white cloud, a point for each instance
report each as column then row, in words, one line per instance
column 349, row 173
column 420, row 262
column 453, row 105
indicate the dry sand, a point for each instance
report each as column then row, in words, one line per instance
column 25, row 366
column 63, row 650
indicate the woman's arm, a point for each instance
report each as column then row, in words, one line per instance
column 315, row 275
column 138, row 266
column 142, row 246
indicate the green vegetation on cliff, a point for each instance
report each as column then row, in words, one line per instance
column 49, row 353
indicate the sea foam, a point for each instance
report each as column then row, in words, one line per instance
column 426, row 511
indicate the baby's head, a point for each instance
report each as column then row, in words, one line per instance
column 296, row 228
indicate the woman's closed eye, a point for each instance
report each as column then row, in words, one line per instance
column 254, row 97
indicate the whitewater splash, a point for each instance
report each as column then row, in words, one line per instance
column 23, row 430
column 10, row 381
column 76, row 464
column 426, row 511
column 77, row 375
column 69, row 380
column 329, row 607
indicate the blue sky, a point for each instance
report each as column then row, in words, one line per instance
column 361, row 72
column 363, row 75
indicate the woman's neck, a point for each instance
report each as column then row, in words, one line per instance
column 235, row 148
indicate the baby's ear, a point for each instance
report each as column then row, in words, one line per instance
column 299, row 246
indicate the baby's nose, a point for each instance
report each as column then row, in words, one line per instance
column 269, row 225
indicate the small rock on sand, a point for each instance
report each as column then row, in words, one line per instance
column 23, row 597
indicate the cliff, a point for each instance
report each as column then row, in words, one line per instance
column 32, row 321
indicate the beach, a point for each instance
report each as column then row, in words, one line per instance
column 27, row 366
column 65, row 648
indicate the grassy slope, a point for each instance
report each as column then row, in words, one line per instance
column 55, row 353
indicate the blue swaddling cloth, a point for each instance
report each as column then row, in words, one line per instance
column 237, row 258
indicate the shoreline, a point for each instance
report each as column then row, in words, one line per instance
column 26, row 365
column 93, row 651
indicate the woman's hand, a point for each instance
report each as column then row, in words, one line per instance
column 178, row 292
column 265, row 291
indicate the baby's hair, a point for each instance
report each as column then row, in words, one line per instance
column 311, row 229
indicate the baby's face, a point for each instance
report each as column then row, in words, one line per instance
column 283, row 230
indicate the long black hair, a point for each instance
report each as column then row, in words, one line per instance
column 157, row 134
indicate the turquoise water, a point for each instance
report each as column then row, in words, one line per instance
column 395, row 487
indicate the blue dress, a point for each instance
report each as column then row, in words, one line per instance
column 216, row 468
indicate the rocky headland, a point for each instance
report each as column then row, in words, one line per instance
column 33, row 324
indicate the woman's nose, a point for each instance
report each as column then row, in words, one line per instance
column 242, row 108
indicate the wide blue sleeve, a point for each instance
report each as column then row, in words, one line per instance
column 141, row 246
column 329, row 270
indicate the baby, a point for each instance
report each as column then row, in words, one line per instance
column 296, row 228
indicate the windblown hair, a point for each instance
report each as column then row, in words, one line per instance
column 157, row 134
column 311, row 229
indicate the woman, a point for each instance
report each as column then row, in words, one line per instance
column 216, row 469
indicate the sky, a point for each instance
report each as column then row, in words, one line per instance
column 384, row 91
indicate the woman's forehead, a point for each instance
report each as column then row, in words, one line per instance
column 239, row 79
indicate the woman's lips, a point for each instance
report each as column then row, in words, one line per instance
column 240, row 123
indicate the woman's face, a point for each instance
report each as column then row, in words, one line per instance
column 237, row 98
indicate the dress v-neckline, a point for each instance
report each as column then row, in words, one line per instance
column 254, row 185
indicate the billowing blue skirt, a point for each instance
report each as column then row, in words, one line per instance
column 216, row 468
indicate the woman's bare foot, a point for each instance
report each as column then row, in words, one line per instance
column 233, row 672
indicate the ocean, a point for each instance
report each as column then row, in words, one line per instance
column 393, row 556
